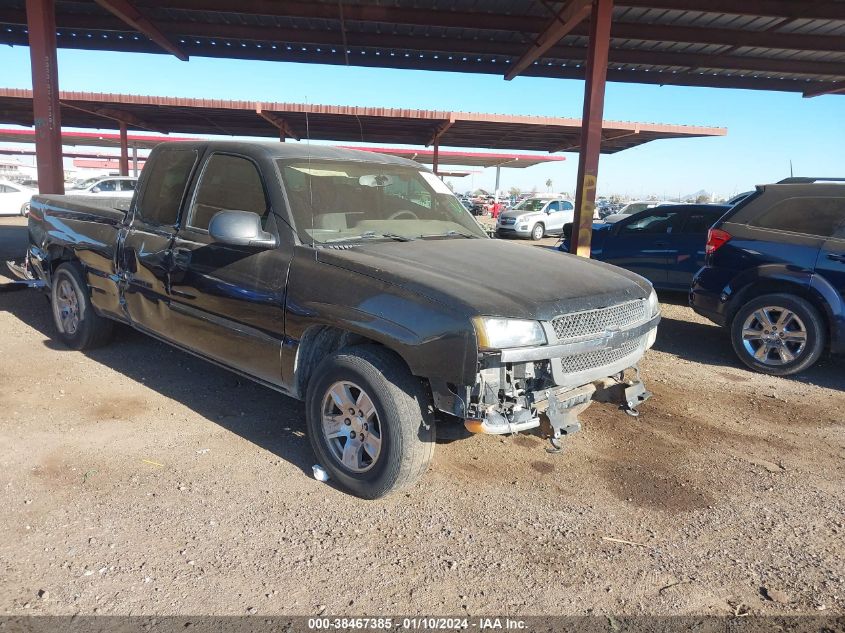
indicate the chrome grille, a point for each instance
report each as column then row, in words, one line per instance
column 599, row 358
column 597, row 321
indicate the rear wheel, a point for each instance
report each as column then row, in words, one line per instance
column 79, row 327
column 369, row 421
column 778, row 334
column 538, row 231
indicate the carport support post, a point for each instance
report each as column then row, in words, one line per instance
column 41, row 24
column 591, row 125
column 498, row 173
column 124, row 150
column 436, row 157
column 135, row 160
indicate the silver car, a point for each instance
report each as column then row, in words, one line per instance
column 536, row 217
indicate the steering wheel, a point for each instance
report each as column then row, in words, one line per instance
column 403, row 213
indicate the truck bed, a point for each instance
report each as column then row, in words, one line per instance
column 89, row 230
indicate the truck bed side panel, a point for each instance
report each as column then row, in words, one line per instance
column 62, row 229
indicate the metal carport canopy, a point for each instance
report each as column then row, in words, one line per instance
column 337, row 123
column 792, row 45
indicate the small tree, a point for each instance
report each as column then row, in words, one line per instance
column 703, row 198
column 549, row 184
column 514, row 191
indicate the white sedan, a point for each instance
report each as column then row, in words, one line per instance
column 14, row 198
column 112, row 187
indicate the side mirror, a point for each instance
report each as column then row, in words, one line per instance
column 95, row 190
column 240, row 228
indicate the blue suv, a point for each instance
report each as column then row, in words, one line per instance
column 774, row 274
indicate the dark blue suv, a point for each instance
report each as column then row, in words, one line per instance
column 775, row 275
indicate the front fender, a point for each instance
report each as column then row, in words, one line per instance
column 433, row 340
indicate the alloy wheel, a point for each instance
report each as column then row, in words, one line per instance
column 351, row 426
column 774, row 335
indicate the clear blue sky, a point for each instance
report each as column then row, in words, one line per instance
column 765, row 129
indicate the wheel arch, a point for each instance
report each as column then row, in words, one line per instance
column 320, row 341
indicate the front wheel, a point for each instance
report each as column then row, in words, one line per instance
column 369, row 421
column 778, row 334
column 538, row 232
column 79, row 327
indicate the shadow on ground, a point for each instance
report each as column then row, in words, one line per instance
column 260, row 415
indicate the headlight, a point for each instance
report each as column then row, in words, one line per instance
column 653, row 303
column 497, row 333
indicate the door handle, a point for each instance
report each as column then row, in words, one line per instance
column 836, row 258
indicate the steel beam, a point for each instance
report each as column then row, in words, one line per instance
column 568, row 18
column 115, row 115
column 41, row 24
column 124, row 10
column 124, row 151
column 278, row 122
column 435, row 158
column 835, row 89
column 591, row 127
column 441, row 130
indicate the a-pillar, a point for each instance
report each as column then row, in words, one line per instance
column 41, row 23
column 591, row 127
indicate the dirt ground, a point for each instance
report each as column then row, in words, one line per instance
column 137, row 479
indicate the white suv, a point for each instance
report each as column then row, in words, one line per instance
column 536, row 217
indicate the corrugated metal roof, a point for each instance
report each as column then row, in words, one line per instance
column 768, row 44
column 338, row 123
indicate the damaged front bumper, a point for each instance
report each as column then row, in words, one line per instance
column 555, row 410
column 548, row 387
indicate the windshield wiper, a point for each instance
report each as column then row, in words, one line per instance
column 371, row 235
column 451, row 234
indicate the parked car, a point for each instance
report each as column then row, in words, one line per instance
column 536, row 217
column 112, row 187
column 356, row 282
column 14, row 198
column 775, row 275
column 634, row 207
column 664, row 244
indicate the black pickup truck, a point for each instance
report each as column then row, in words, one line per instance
column 354, row 281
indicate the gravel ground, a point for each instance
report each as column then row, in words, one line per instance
column 140, row 480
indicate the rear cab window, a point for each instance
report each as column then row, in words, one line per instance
column 162, row 194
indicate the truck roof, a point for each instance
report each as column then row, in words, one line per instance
column 298, row 151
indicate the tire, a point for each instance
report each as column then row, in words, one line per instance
column 400, row 418
column 778, row 334
column 70, row 295
column 538, row 231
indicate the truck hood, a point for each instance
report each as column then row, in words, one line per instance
column 492, row 277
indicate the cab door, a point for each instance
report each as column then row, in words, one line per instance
column 642, row 244
column 144, row 247
column 227, row 302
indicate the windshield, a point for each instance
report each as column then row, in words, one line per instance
column 531, row 205
column 338, row 201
